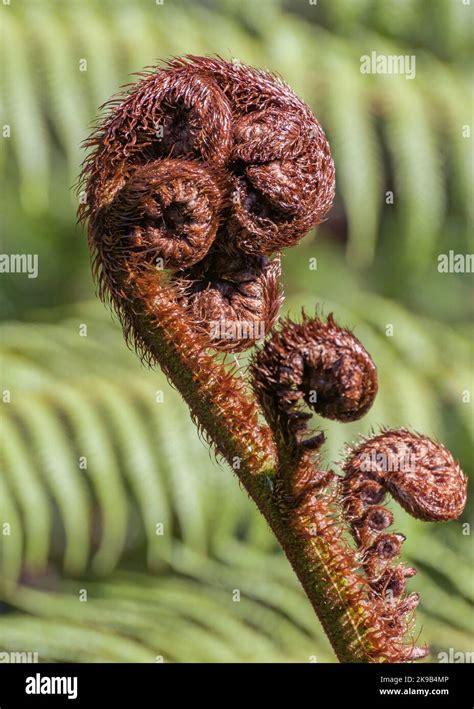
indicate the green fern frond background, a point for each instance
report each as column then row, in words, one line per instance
column 121, row 538
column 104, row 477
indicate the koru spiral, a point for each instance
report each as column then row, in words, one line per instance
column 204, row 171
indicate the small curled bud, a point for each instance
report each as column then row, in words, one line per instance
column 425, row 479
column 387, row 546
column 419, row 473
column 288, row 189
column 392, row 582
column 319, row 363
column 168, row 210
column 371, row 522
column 235, row 300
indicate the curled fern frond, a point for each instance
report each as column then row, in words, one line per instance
column 425, row 479
column 204, row 163
column 325, row 367
column 198, row 176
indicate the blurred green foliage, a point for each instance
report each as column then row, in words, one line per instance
column 94, row 528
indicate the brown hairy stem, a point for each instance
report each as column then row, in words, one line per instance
column 228, row 416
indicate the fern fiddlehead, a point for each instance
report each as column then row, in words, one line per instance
column 205, row 170
column 196, row 179
column 327, row 368
column 422, row 476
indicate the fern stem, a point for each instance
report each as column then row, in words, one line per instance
column 321, row 569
